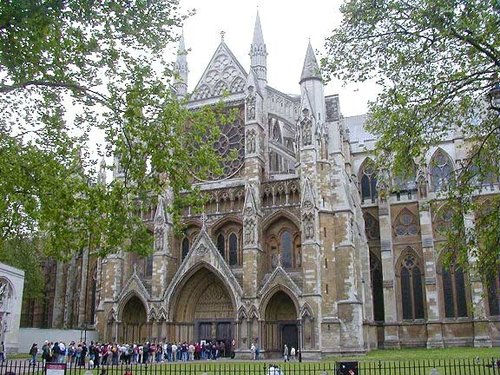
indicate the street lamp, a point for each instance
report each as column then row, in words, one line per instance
column 494, row 95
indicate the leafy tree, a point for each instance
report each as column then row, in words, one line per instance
column 75, row 71
column 437, row 62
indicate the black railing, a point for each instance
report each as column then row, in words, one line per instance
column 475, row 366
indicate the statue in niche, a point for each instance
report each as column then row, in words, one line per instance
column 422, row 185
column 249, row 232
column 159, row 238
column 306, row 127
column 250, row 103
column 308, row 226
column 251, row 141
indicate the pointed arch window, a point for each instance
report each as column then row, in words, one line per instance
column 148, row 269
column 441, row 170
column 286, row 249
column 372, row 229
column 406, row 224
column 185, row 247
column 412, row 296
column 377, row 288
column 221, row 245
column 455, row 304
column 233, row 249
column 368, row 182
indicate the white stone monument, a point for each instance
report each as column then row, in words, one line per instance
column 11, row 297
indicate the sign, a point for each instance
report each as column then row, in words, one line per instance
column 55, row 368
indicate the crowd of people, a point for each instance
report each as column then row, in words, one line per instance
column 96, row 354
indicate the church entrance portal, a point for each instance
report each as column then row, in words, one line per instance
column 133, row 328
column 204, row 309
column 281, row 324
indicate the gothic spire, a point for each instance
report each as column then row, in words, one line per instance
column 258, row 52
column 311, row 67
column 181, row 69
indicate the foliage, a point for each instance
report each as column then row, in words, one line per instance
column 26, row 255
column 72, row 72
column 437, row 62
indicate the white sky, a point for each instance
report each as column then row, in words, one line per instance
column 287, row 26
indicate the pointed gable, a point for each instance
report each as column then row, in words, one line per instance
column 224, row 74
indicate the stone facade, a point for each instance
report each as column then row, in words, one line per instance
column 301, row 242
column 11, row 296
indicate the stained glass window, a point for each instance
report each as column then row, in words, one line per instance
column 233, row 249
column 412, row 296
column 455, row 304
column 286, row 250
column 377, row 287
column 441, row 171
column 406, row 224
column 494, row 295
column 368, row 182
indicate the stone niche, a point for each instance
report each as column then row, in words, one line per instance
column 11, row 296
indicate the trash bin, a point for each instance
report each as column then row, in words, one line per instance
column 347, row 368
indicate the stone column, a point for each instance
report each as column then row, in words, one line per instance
column 391, row 329
column 434, row 328
column 82, row 305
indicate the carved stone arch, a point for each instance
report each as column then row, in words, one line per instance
column 179, row 281
column 242, row 313
column 306, row 312
column 162, row 313
column 203, row 92
column 238, row 85
column 253, row 313
column 7, row 292
column 152, row 314
column 224, row 221
column 281, row 213
column 220, row 88
column 123, row 302
column 267, row 296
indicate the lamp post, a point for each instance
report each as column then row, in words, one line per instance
column 494, row 96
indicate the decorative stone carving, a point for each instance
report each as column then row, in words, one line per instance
column 202, row 249
column 251, row 144
column 308, row 220
column 159, row 238
column 306, row 127
column 250, row 103
column 249, row 227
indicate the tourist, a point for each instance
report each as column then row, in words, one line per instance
column 292, row 354
column 33, row 353
column 253, row 351
column 285, row 353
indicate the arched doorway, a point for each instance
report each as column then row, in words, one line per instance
column 133, row 327
column 204, row 309
column 281, row 324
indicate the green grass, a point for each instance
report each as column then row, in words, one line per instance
column 424, row 354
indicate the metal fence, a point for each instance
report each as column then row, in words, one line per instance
column 418, row 367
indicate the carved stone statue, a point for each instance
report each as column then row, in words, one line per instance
column 306, row 127
column 249, row 232
column 309, row 226
column 251, row 141
column 159, row 240
column 250, row 103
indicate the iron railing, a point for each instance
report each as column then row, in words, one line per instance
column 477, row 366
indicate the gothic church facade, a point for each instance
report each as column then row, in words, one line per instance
column 301, row 241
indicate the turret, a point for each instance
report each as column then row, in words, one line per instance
column 258, row 53
column 181, row 69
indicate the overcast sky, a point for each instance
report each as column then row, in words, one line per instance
column 287, row 25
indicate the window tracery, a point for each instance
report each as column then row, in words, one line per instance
column 368, row 181
column 411, row 279
column 406, row 224
column 454, row 295
column 441, row 171
column 372, row 228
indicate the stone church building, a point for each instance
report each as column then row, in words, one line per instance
column 301, row 242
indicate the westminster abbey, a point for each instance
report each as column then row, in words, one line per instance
column 301, row 242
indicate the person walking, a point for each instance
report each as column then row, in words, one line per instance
column 2, row 352
column 292, row 354
column 285, row 353
column 33, row 353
